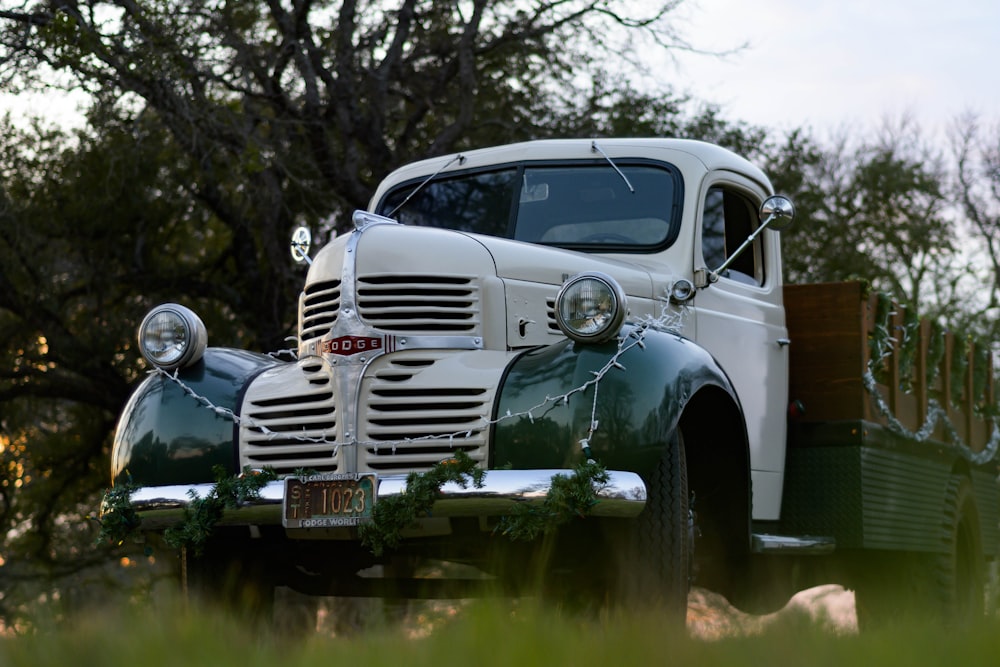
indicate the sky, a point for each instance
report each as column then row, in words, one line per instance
column 830, row 64
column 823, row 64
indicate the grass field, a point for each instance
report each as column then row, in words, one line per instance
column 487, row 633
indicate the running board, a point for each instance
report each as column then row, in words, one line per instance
column 792, row 545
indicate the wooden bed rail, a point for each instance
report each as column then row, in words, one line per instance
column 840, row 331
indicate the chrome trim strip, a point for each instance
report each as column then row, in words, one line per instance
column 349, row 369
column 623, row 497
column 423, row 342
column 363, row 219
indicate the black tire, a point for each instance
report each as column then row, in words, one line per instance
column 890, row 587
column 960, row 572
column 657, row 571
column 946, row 587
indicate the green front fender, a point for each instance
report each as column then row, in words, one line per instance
column 168, row 432
column 542, row 417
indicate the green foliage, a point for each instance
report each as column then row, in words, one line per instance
column 980, row 379
column 119, row 520
column 909, row 336
column 879, row 343
column 203, row 513
column 496, row 632
column 570, row 496
column 935, row 352
column 959, row 368
column 870, row 207
column 393, row 514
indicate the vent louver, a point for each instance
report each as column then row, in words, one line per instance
column 289, row 420
column 320, row 305
column 420, row 303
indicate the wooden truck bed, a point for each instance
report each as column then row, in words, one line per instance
column 863, row 464
column 834, row 328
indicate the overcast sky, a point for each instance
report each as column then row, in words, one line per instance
column 825, row 63
column 830, row 63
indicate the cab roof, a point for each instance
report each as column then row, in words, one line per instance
column 711, row 156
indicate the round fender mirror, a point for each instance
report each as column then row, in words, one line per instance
column 301, row 240
column 777, row 213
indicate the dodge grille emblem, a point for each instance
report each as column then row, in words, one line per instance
column 348, row 345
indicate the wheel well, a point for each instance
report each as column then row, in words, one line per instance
column 718, row 462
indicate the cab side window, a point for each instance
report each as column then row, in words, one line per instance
column 729, row 218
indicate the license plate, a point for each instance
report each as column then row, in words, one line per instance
column 327, row 500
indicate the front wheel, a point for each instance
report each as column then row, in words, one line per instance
column 657, row 570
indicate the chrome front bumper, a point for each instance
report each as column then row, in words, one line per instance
column 624, row 496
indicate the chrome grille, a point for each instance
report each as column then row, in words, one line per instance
column 433, row 304
column 412, row 422
column 550, row 315
column 320, row 303
column 289, row 419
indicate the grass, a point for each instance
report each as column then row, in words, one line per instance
column 485, row 633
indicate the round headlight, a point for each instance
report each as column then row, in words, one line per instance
column 172, row 336
column 590, row 307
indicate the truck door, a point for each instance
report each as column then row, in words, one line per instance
column 741, row 321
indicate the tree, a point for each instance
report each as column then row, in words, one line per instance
column 874, row 209
column 67, row 271
column 976, row 151
column 213, row 128
column 285, row 115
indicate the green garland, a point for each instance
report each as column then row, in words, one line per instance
column 391, row 515
column 878, row 338
column 201, row 516
column 959, row 365
column 981, row 404
column 935, row 353
column 908, row 350
column 879, row 342
column 570, row 496
column 119, row 520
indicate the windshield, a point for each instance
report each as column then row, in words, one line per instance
column 584, row 206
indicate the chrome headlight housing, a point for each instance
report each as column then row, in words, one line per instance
column 172, row 336
column 591, row 307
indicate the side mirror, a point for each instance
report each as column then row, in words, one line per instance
column 777, row 213
column 301, row 240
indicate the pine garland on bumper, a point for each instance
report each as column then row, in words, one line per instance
column 570, row 496
column 119, row 520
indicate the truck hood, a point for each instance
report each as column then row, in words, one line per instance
column 393, row 248
column 552, row 266
column 405, row 280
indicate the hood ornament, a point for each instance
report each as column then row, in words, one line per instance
column 363, row 220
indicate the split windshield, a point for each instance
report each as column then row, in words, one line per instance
column 585, row 207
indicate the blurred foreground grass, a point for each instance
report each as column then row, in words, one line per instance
column 485, row 633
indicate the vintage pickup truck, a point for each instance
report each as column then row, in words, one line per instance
column 541, row 305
